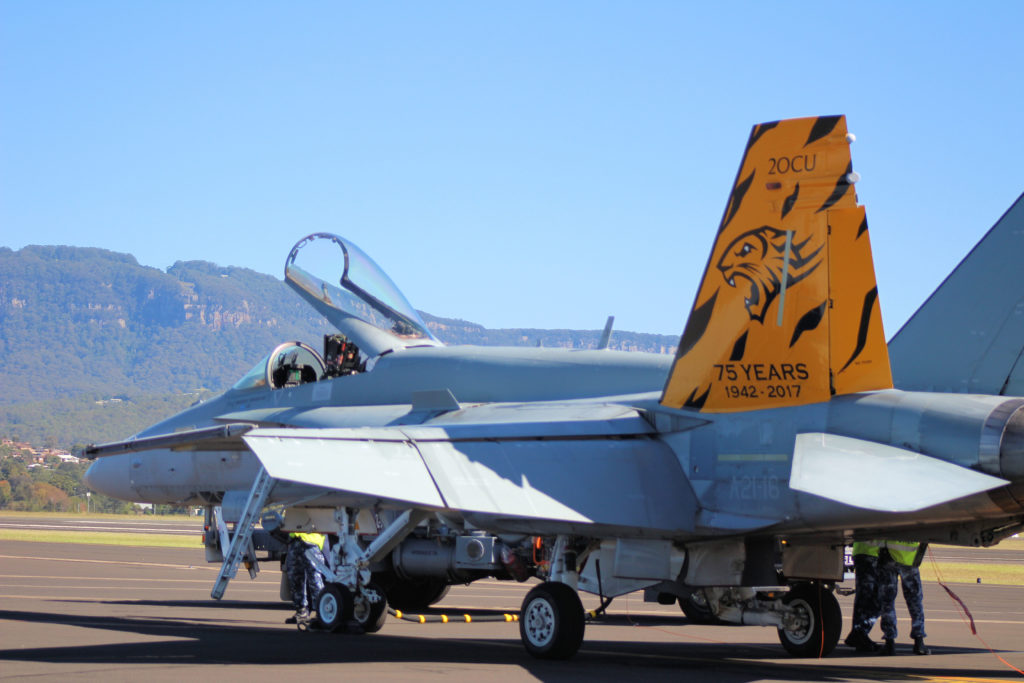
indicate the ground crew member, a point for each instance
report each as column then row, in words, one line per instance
column 866, row 606
column 898, row 563
column 303, row 578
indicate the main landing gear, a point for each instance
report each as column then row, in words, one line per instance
column 815, row 622
column 551, row 622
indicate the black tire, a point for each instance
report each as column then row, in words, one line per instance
column 551, row 621
column 409, row 595
column 370, row 615
column 821, row 621
column 334, row 607
column 695, row 607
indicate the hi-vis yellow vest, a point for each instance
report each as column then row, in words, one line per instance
column 311, row 539
column 902, row 552
column 867, row 548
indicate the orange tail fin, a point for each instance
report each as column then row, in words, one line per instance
column 787, row 311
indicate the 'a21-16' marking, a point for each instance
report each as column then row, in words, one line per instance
column 754, row 488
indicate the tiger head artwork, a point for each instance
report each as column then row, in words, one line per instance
column 758, row 256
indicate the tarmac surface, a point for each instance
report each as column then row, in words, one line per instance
column 73, row 611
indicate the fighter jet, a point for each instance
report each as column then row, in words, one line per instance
column 729, row 477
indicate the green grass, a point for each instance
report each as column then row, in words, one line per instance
column 1006, row 544
column 102, row 538
column 92, row 515
column 967, row 572
column 1009, row 574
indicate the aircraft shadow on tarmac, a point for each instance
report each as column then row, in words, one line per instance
column 221, row 643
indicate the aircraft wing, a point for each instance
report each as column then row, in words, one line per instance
column 612, row 473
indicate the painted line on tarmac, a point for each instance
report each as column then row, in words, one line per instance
column 98, row 578
column 117, row 562
column 49, row 597
column 976, row 621
column 264, row 588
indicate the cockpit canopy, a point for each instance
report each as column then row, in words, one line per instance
column 345, row 286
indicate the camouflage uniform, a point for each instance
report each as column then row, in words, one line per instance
column 891, row 574
column 303, row 578
column 866, row 604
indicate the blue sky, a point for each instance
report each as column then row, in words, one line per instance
column 527, row 164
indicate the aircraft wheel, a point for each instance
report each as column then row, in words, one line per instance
column 819, row 621
column 334, row 607
column 695, row 607
column 370, row 615
column 412, row 595
column 551, row 622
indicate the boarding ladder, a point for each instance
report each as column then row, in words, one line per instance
column 241, row 541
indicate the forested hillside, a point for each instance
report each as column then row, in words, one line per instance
column 94, row 346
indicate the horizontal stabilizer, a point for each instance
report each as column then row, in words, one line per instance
column 875, row 476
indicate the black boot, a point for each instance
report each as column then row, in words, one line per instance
column 860, row 641
column 889, row 648
column 920, row 648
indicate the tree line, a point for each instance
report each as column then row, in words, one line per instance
column 56, row 486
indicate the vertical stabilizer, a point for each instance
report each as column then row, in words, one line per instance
column 787, row 311
column 969, row 335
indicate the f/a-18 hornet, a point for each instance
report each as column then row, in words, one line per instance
column 729, row 477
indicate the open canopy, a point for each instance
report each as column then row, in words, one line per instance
column 354, row 294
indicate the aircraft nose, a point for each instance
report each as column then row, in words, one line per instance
column 109, row 476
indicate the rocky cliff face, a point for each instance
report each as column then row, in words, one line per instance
column 81, row 325
column 76, row 320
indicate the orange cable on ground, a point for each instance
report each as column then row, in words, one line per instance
column 967, row 613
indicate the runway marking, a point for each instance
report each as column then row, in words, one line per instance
column 976, row 621
column 119, row 562
column 98, row 578
column 49, row 597
column 265, row 588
